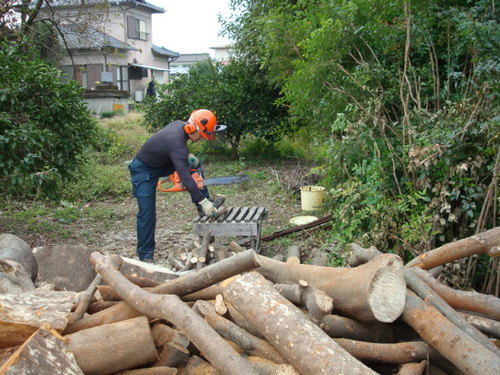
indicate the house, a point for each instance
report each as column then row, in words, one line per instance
column 222, row 53
column 182, row 64
column 109, row 44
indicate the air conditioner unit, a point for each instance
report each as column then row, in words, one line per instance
column 106, row 77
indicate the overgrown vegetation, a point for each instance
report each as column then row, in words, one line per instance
column 45, row 127
column 408, row 95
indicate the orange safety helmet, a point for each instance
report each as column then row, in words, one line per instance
column 204, row 121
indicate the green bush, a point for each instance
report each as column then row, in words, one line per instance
column 45, row 127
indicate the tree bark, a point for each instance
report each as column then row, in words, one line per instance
column 229, row 330
column 373, row 291
column 108, row 349
column 317, row 303
column 426, row 293
column 449, row 340
column 44, row 351
column 342, row 327
column 402, row 352
column 197, row 366
column 186, row 284
column 463, row 300
column 172, row 355
column 293, row 255
column 266, row 367
column 17, row 275
column 171, row 308
column 360, row 255
column 85, row 299
column 97, row 306
column 302, row 343
column 477, row 244
column 485, row 325
column 412, row 368
column 22, row 314
column 150, row 371
column 163, row 334
column 202, row 251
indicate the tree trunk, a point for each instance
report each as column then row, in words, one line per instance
column 293, row 255
column 229, row 330
column 22, row 314
column 463, row 300
column 302, row 343
column 108, row 349
column 44, row 351
column 97, row 306
column 186, row 284
column 172, row 355
column 197, row 366
column 342, row 327
column 163, row 334
column 17, row 276
column 373, row 291
column 120, row 311
column 266, row 367
column 360, row 255
column 171, row 308
column 426, row 293
column 317, row 303
column 477, row 244
column 412, row 368
column 401, row 352
column 485, row 325
column 449, row 340
column 150, row 371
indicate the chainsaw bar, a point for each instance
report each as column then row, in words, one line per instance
column 225, row 180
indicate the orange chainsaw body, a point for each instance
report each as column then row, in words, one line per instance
column 177, row 186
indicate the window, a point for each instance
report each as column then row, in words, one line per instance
column 136, row 28
column 135, row 72
column 122, row 77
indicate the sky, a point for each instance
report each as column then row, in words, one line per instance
column 189, row 26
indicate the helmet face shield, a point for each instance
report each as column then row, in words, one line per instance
column 210, row 135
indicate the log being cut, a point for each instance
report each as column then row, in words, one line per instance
column 374, row 291
column 301, row 342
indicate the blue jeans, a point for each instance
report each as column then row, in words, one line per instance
column 144, row 182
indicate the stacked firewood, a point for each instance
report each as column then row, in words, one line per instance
column 249, row 314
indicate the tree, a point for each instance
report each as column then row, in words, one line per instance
column 406, row 95
column 238, row 94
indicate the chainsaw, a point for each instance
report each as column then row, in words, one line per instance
column 201, row 182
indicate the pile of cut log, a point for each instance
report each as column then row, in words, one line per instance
column 250, row 314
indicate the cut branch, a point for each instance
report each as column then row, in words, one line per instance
column 477, row 244
column 302, row 343
column 171, row 308
column 373, row 291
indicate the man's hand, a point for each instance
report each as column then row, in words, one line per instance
column 209, row 208
column 193, row 161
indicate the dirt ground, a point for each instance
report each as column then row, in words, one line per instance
column 276, row 188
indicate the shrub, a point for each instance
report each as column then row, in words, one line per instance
column 45, row 127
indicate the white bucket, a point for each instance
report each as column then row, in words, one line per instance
column 312, row 197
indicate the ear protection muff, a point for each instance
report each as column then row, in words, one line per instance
column 191, row 127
